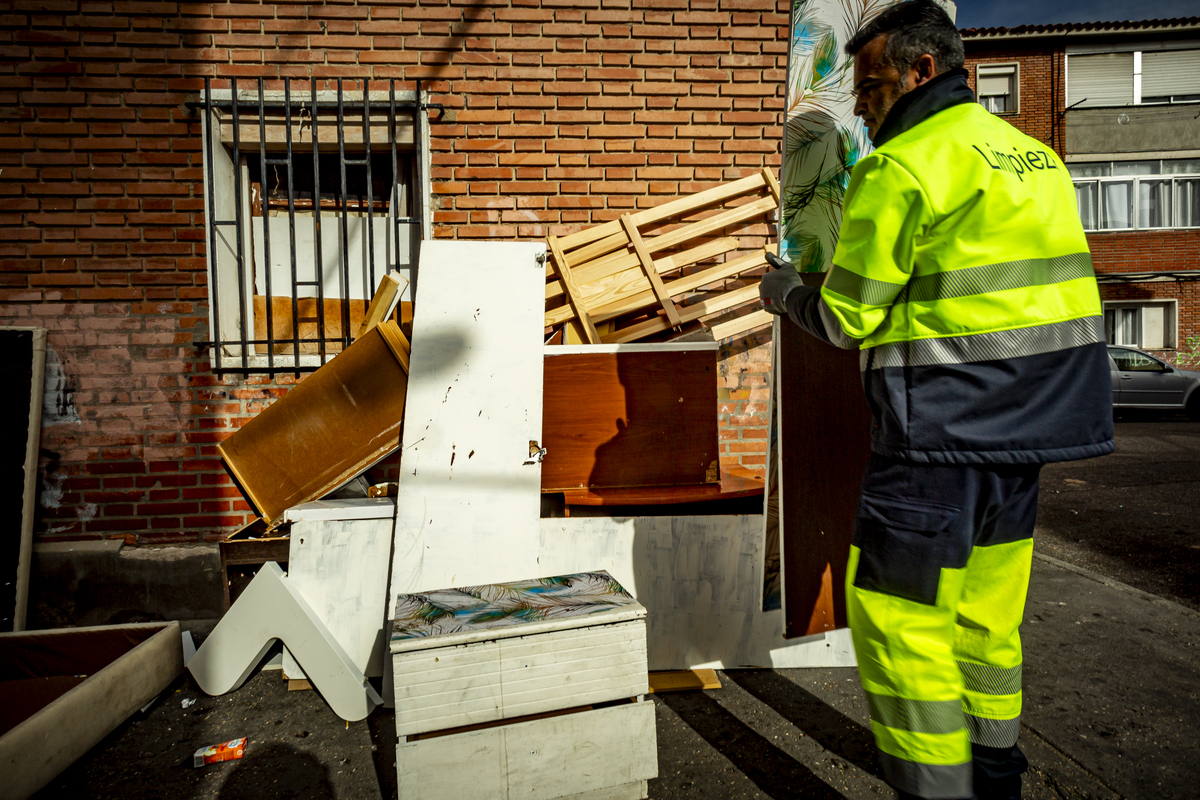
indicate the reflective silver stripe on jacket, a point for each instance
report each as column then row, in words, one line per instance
column 984, row 279
column 991, row 278
column 986, row 679
column 926, row 780
column 986, row 346
column 993, row 732
column 918, row 716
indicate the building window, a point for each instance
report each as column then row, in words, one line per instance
column 1149, row 325
column 1138, row 195
column 1140, row 77
column 311, row 197
column 996, row 87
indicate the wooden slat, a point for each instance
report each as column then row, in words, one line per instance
column 687, row 314
column 629, row 283
column 772, row 183
column 684, row 680
column 656, row 284
column 666, row 210
column 608, row 265
column 574, row 295
column 740, row 325
column 680, row 286
column 390, row 285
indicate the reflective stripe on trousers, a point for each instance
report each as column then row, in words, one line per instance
column 935, row 590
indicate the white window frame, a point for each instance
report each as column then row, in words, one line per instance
column 1138, row 50
column 1135, row 212
column 1010, row 68
column 237, row 312
column 1170, row 322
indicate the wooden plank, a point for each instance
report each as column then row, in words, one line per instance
column 673, row 208
column 684, row 680
column 772, row 183
column 651, row 273
column 382, row 302
column 736, row 327
column 537, row 760
column 468, row 503
column 623, row 284
column 606, row 418
column 683, row 285
column 284, row 323
column 471, row 684
column 824, row 439
column 701, row 581
column 337, row 422
column 572, row 291
column 611, row 264
column 688, row 313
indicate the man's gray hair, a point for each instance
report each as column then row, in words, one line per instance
column 914, row 28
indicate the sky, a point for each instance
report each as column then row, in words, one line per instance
column 1011, row 13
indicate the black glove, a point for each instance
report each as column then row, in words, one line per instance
column 775, row 286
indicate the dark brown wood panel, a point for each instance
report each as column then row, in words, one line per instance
column 630, row 419
column 824, row 438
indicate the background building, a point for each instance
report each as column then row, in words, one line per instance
column 1120, row 102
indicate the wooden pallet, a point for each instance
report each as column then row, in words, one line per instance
column 609, row 274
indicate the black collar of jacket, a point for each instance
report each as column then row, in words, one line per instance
column 945, row 90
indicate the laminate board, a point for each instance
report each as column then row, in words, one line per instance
column 334, row 424
column 468, row 499
column 824, row 443
column 700, row 580
column 340, row 567
column 633, row 417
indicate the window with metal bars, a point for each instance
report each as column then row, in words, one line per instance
column 311, row 197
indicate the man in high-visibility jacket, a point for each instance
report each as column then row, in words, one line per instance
column 962, row 274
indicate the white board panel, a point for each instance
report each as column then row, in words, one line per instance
column 470, row 684
column 468, row 502
column 340, row 567
column 700, row 579
column 546, row 758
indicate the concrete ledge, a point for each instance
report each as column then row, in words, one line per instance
column 106, row 583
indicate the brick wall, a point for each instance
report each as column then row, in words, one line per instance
column 560, row 113
column 1187, row 296
column 1041, row 90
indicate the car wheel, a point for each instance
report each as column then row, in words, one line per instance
column 1193, row 406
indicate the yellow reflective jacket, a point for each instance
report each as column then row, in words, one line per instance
column 962, row 272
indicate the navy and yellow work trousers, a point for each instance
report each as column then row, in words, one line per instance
column 935, row 590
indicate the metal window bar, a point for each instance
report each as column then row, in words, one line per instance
column 314, row 107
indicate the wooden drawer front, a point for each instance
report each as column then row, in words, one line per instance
column 469, row 684
column 537, row 760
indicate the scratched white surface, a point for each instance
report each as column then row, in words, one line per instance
column 340, row 567
column 700, row 579
column 468, row 505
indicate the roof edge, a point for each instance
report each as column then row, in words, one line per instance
column 1173, row 25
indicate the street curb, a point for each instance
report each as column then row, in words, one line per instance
column 1098, row 578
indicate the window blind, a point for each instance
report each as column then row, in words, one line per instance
column 1170, row 72
column 1104, row 80
column 990, row 84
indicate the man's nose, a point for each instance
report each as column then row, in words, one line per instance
column 860, row 106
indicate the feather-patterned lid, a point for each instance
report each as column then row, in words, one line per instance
column 518, row 608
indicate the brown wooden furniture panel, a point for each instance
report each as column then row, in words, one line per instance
column 333, row 425
column 630, row 419
column 824, row 439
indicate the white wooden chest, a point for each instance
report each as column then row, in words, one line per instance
column 531, row 689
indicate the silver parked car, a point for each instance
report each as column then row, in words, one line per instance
column 1139, row 380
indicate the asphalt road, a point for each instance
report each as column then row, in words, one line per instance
column 1131, row 516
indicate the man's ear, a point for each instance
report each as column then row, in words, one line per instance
column 923, row 70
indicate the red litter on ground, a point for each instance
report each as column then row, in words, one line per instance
column 225, row 751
